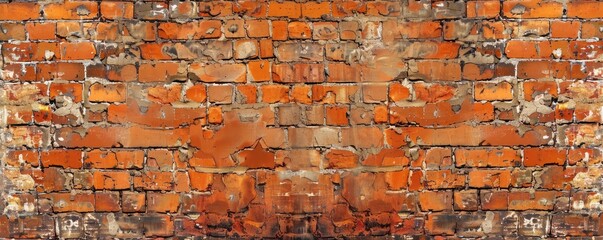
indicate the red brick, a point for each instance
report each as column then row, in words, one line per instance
column 287, row 9
column 251, row 8
column 257, row 28
column 215, row 9
column 494, row 91
column 532, row 9
column 117, row 10
column 161, row 72
column 19, row 11
column 494, row 200
column 133, row 202
column 584, row 9
column 274, row 93
column 107, row 202
column 490, row 178
column 112, row 180
column 337, row 115
column 435, row 201
column 107, row 92
column 114, row 159
column 62, row 158
column 543, row 156
column 299, row 30
column 483, row 9
column 75, row 10
column 466, row 200
column 71, row 90
column 218, row 72
column 193, row 30
column 67, row 202
column 163, row 202
column 340, row 159
column 154, row 180
column 538, row 200
column 491, row 157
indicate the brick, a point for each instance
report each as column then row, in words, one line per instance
column 12, row 31
column 154, row 180
column 584, row 9
column 435, row 201
column 316, row 10
column 114, row 180
column 539, row 200
column 466, row 200
column 287, row 9
column 70, row 90
column 71, row 10
column 218, row 72
column 495, row 157
column 133, row 202
column 274, row 93
column 259, row 71
column 397, row 180
column 163, row 202
column 489, row 179
column 494, row 200
column 27, row 51
column 117, row 10
column 251, row 8
column 106, row 202
column 543, row 156
column 493, row 91
column 257, row 28
column 565, row 29
column 107, row 92
column 165, row 94
column 215, row 9
column 443, row 179
column 299, row 30
column 114, row 159
column 483, row 9
column 64, row 159
column 66, row 202
column 307, row 137
column 340, row 159
column 161, row 72
column 19, row 11
column 193, row 30
column 245, row 49
column 532, row 9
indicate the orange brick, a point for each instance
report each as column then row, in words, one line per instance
column 71, row 10
column 287, row 9
column 493, row 91
column 274, row 93
column 257, row 28
column 117, row 10
column 532, row 9
column 19, row 11
column 259, row 71
column 107, row 92
column 337, row 115
column 299, row 30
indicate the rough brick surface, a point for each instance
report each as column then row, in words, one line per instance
column 301, row 119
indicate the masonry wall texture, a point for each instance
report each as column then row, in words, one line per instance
column 301, row 119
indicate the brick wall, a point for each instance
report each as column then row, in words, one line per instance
column 305, row 119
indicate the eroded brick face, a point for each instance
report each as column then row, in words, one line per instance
column 301, row 119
